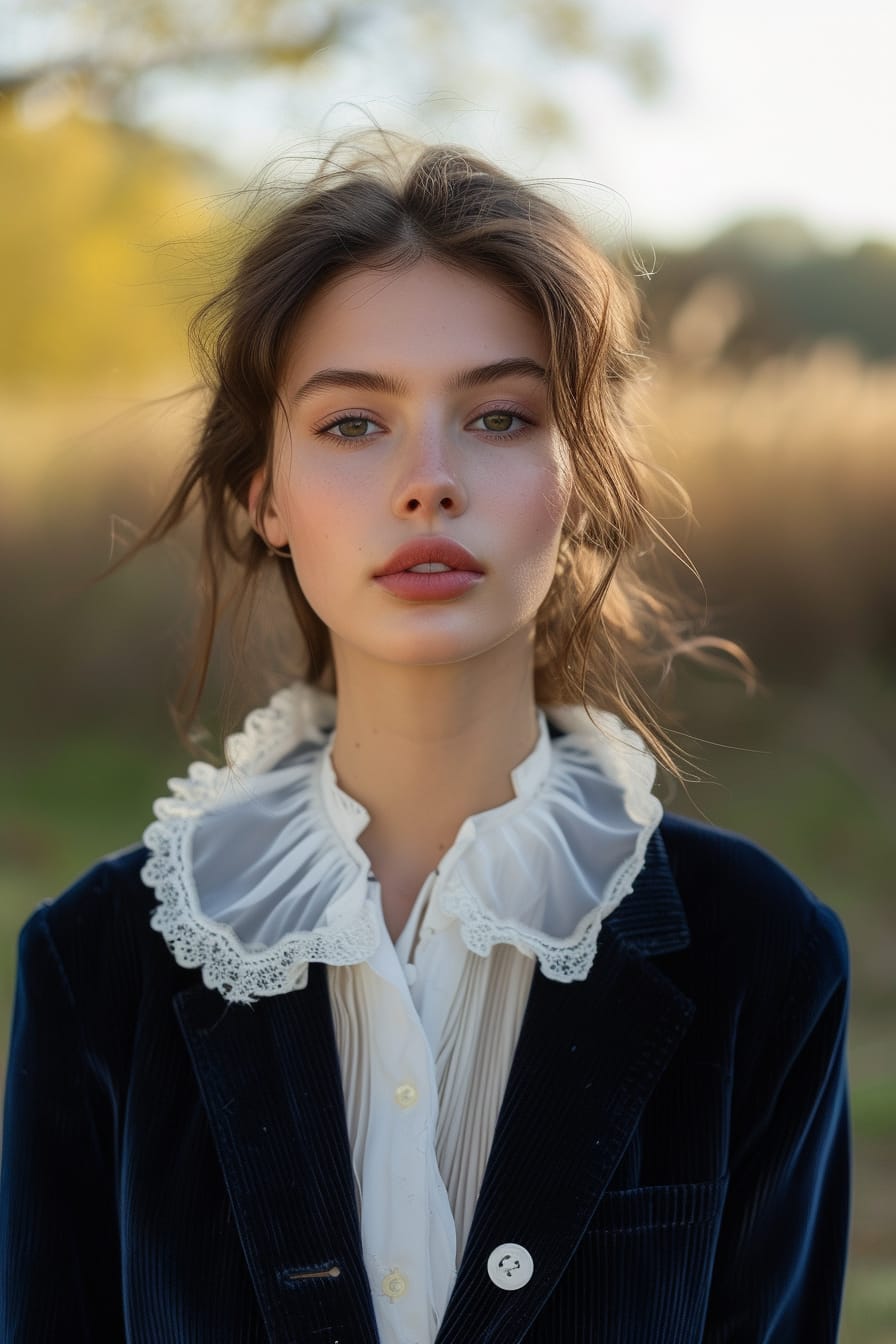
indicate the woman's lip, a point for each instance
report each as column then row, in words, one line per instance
column 429, row 551
column 440, row 586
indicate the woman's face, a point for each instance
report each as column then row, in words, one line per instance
column 417, row 417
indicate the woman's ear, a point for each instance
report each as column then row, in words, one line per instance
column 265, row 520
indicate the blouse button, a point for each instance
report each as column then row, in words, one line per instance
column 395, row 1285
column 405, row 1095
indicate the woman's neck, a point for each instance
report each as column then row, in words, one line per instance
column 423, row 748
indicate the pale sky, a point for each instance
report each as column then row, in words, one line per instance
column 775, row 106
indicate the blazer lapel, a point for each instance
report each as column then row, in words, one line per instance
column 270, row 1083
column 588, row 1057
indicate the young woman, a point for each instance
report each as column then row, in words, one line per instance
column 418, row 1020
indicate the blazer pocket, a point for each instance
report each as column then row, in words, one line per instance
column 652, row 1208
column 642, row 1272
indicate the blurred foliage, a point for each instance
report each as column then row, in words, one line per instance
column 783, row 290
column 108, row 54
column 576, row 27
column 110, row 46
column 83, row 263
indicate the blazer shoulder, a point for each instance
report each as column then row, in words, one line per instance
column 99, row 930
column 739, row 898
column 108, row 891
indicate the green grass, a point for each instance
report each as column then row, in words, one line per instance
column 61, row 808
column 869, row 1307
column 874, row 1107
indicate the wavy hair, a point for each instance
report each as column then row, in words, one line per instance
column 604, row 624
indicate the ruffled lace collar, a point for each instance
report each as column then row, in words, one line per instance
column 257, row 869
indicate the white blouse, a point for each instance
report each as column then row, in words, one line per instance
column 258, row 871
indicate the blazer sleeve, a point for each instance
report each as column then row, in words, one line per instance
column 59, row 1256
column 782, row 1243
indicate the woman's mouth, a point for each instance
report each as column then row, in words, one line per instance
column 429, row 569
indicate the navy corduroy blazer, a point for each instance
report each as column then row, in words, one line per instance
column 672, row 1148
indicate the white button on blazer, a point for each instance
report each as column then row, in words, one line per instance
column 510, row 1266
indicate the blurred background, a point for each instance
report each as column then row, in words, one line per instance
column 743, row 155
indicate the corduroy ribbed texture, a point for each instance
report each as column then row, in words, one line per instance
column 672, row 1148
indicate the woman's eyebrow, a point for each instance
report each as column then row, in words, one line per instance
column 369, row 381
column 503, row 368
column 362, row 378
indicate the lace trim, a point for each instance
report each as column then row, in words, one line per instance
column 351, row 934
column 563, row 959
column 240, row 973
column 626, row 762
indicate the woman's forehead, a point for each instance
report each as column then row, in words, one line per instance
column 428, row 313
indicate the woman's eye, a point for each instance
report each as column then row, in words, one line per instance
column 500, row 422
column 497, row 421
column 351, row 427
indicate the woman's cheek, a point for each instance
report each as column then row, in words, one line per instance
column 538, row 512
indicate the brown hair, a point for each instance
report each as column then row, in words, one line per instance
column 603, row 624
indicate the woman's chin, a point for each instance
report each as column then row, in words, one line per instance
column 429, row 649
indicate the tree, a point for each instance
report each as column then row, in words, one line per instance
column 107, row 55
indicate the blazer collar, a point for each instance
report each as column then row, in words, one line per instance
column 651, row 919
column 588, row 1057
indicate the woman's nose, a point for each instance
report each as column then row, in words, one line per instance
column 429, row 484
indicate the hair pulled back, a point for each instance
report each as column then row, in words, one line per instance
column 602, row 624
